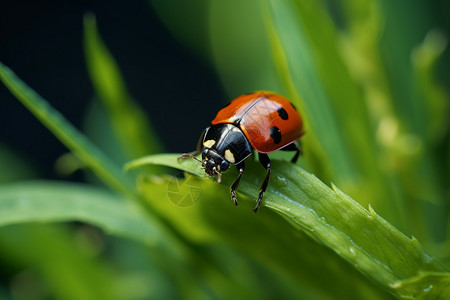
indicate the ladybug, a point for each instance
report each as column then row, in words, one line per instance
column 260, row 121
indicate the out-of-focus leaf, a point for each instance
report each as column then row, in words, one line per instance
column 424, row 286
column 64, row 271
column 431, row 182
column 50, row 202
column 240, row 47
column 187, row 21
column 350, row 106
column 41, row 201
column 132, row 127
column 13, row 167
column 305, row 84
column 359, row 236
column 88, row 153
column 384, row 48
column 425, row 58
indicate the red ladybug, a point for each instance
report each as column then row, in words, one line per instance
column 262, row 121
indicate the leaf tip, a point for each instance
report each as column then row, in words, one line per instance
column 89, row 19
column 372, row 213
column 127, row 167
column 334, row 188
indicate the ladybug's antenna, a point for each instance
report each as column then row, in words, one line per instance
column 186, row 155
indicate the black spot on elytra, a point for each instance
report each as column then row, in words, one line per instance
column 282, row 113
column 275, row 134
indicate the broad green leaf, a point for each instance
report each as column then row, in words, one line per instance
column 88, row 153
column 356, row 234
column 132, row 127
column 286, row 263
column 297, row 264
column 46, row 202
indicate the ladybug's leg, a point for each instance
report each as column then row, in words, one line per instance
column 265, row 161
column 293, row 147
column 240, row 167
column 197, row 150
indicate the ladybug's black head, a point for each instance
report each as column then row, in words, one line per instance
column 214, row 163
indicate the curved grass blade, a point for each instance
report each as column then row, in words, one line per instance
column 66, row 132
column 132, row 127
column 302, row 78
column 356, row 234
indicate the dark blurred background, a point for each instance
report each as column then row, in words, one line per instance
column 42, row 41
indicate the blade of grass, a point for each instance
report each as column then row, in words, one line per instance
column 132, row 127
column 66, row 133
column 351, row 109
column 410, row 154
column 431, row 182
column 240, row 69
column 358, row 235
column 303, row 80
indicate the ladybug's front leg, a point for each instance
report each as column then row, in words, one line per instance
column 240, row 167
column 265, row 161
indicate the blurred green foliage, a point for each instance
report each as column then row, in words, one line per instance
column 363, row 75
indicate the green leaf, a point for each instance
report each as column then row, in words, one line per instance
column 14, row 166
column 131, row 125
column 66, row 132
column 49, row 202
column 41, row 201
column 358, row 235
column 349, row 105
column 54, row 265
column 241, row 69
column 300, row 74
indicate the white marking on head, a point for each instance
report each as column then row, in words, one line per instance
column 229, row 156
column 209, row 143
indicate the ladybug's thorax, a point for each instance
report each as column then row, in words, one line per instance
column 225, row 142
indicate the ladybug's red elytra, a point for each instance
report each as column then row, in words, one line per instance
column 262, row 121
